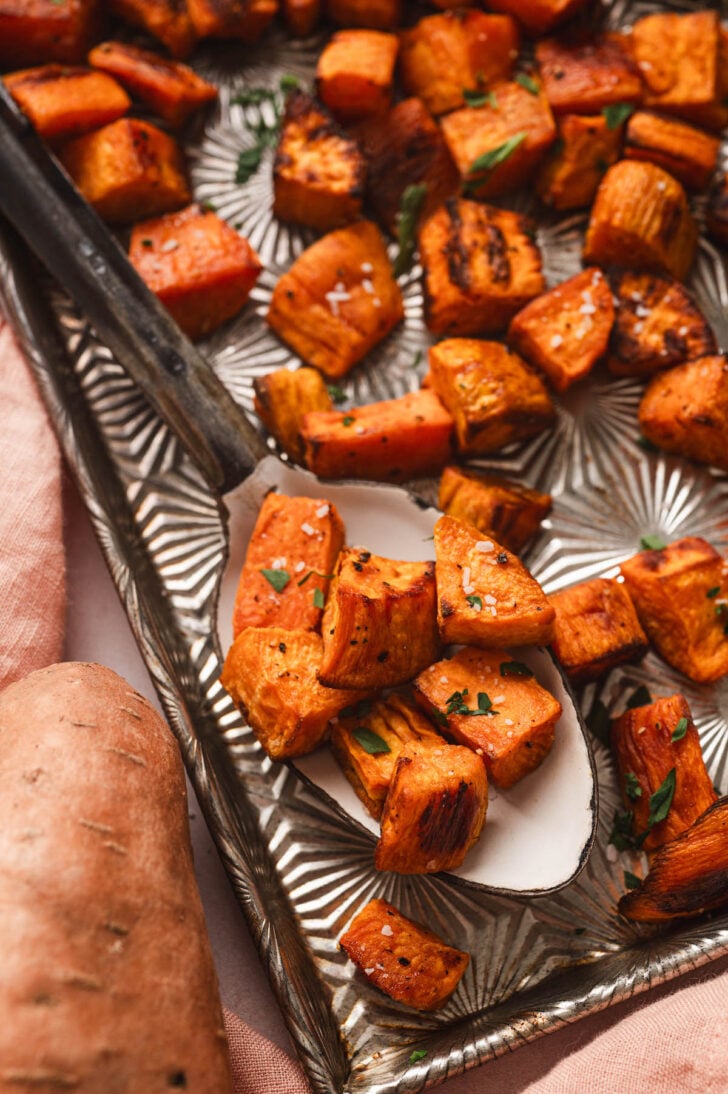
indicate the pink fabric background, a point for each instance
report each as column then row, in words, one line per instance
column 668, row 1041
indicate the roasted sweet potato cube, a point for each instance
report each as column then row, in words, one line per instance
column 677, row 56
column 171, row 89
column 166, row 20
column 685, row 410
column 368, row 738
column 485, row 595
column 393, row 441
column 291, row 554
column 198, row 266
column 687, row 876
column 318, row 170
column 642, row 213
column 565, row 331
column 33, row 32
column 128, row 170
column 271, row 675
column 538, row 16
column 435, row 809
column 374, row 14
column 585, row 148
column 681, row 597
column 493, row 395
column 584, row 77
column 64, row 102
column 245, row 20
column 405, row 960
column 379, row 625
column 444, row 56
column 301, row 16
column 716, row 219
column 686, row 152
column 338, row 299
column 508, row 511
column 481, row 266
column 596, row 628
column 355, row 73
column 657, row 748
column 282, row 398
column 496, row 146
column 657, row 325
column 481, row 701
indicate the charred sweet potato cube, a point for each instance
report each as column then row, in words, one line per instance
column 657, row 325
column 681, row 597
column 685, row 410
column 716, row 220
column 485, row 595
column 443, row 56
column 686, row 152
column 434, row 811
column 688, row 875
column 271, row 675
column 301, row 16
column 405, row 960
column 497, row 146
column 585, row 76
column 374, row 14
column 283, row 398
column 198, row 266
column 657, row 746
column 64, row 102
column 291, row 554
column 393, row 441
column 677, row 55
column 538, row 16
column 368, row 740
column 481, row 266
column 34, row 32
column 318, row 170
column 245, row 20
column 338, row 299
column 166, row 20
column 128, row 170
column 355, row 73
column 493, row 395
column 596, row 628
column 585, row 148
column 507, row 717
column 379, row 625
column 565, row 331
column 509, row 511
column 642, row 213
column 171, row 89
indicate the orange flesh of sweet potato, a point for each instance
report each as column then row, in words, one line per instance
column 485, row 595
column 538, row 16
column 64, row 102
column 171, row 89
column 355, row 72
column 686, row 152
column 508, row 511
column 241, row 19
column 34, row 32
column 301, row 537
column 685, row 410
column 565, row 331
column 166, row 20
column 677, row 56
column 283, row 398
column 584, row 78
column 513, row 741
column 392, row 441
column 371, row 14
column 596, row 628
column 197, row 265
column 585, row 149
column 301, row 16
column 402, row 958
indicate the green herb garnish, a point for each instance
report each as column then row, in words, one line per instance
column 147, row 243
column 348, row 419
column 652, row 543
column 318, row 598
column 248, row 163
column 680, row 730
column 480, row 98
column 617, row 113
column 371, row 742
column 336, row 394
column 410, row 207
column 621, row 834
column 515, row 668
column 289, row 82
column 640, row 697
column 456, row 704
column 646, row 444
column 277, row 578
column 474, row 601
column 711, row 593
column 631, row 880
column 417, row 1055
column 483, row 165
column 357, row 710
column 661, row 800
column 312, row 573
column 266, row 133
column 632, row 786
column 528, row 82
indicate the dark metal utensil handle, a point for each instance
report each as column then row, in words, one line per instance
column 72, row 242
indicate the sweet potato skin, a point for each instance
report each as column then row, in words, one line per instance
column 99, row 896
column 685, row 410
column 64, row 102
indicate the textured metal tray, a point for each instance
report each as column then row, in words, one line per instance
column 298, row 872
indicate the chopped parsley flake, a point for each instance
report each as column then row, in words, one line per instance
column 528, row 82
column 631, row 880
column 616, row 113
column 348, row 419
column 318, row 598
column 632, row 786
column 370, row 741
column 680, row 730
column 480, row 98
column 456, row 704
column 491, row 159
column 474, row 601
column 515, row 668
column 277, row 578
column 409, row 210
column 417, row 1055
column 652, row 543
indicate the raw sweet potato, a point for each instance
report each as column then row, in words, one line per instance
column 685, row 410
column 33, row 32
column 355, row 73
column 166, row 20
column 596, row 628
column 508, row 511
column 283, row 398
column 585, row 148
column 64, row 102
column 584, row 77
column 686, row 152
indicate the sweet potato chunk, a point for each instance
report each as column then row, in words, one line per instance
column 271, row 675
column 435, row 809
column 657, row 748
column 402, row 958
column 493, row 396
column 585, row 148
column 681, row 597
column 171, row 89
column 291, row 554
column 33, row 32
column 685, row 410
column 565, row 331
column 318, row 170
column 338, row 299
column 677, row 56
column 355, row 73
column 64, row 102
column 367, row 740
column 584, row 77
column 481, row 266
column 538, row 16
column 487, row 701
column 374, row 14
column 198, row 266
column 245, row 20
column 596, row 628
column 128, row 170
column 393, row 441
column 716, row 219
column 301, row 16
column 443, row 56
column 485, row 595
column 686, row 152
column 657, row 325
column 641, row 212
column 166, row 20
column 283, row 398
column 507, row 511
column 379, row 625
